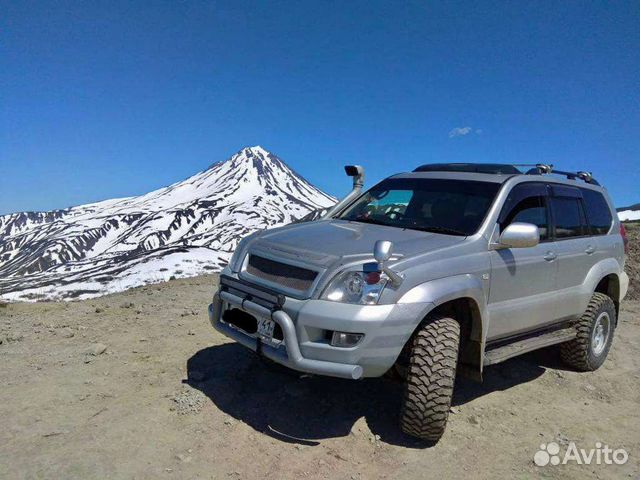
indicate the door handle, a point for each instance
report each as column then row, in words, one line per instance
column 550, row 256
column 590, row 249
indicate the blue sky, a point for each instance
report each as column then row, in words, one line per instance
column 107, row 99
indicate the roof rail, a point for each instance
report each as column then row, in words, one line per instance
column 543, row 169
column 494, row 168
column 505, row 169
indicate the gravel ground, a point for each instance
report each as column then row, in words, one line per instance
column 138, row 385
column 633, row 262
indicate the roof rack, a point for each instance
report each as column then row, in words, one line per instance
column 505, row 169
column 495, row 168
column 543, row 169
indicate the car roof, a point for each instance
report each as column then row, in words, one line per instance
column 472, row 176
column 499, row 178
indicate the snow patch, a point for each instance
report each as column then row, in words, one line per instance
column 629, row 215
column 109, row 246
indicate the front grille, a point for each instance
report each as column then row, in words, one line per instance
column 288, row 276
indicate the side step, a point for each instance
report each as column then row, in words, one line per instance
column 502, row 353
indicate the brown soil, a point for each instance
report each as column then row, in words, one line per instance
column 138, row 385
column 633, row 260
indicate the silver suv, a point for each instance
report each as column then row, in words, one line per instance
column 443, row 270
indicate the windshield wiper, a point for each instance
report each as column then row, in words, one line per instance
column 444, row 230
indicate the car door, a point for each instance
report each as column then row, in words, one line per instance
column 523, row 280
column 600, row 220
column 576, row 248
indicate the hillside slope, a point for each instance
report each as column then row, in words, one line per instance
column 184, row 229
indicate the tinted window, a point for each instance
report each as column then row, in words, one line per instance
column 598, row 212
column 526, row 203
column 568, row 216
column 455, row 207
column 393, row 204
column 530, row 210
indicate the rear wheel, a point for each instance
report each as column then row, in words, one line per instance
column 430, row 378
column 594, row 334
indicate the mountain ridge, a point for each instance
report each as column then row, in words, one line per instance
column 106, row 246
column 635, row 206
column 630, row 213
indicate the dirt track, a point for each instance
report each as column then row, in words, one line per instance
column 170, row 398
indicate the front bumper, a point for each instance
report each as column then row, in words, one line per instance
column 291, row 357
column 386, row 329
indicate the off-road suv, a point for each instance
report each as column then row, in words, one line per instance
column 443, row 270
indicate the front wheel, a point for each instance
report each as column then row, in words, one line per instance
column 430, row 378
column 594, row 334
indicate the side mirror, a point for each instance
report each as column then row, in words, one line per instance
column 382, row 251
column 520, row 235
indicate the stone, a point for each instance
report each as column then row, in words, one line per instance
column 183, row 458
column 474, row 420
column 14, row 337
column 67, row 333
column 562, row 439
column 360, row 428
column 188, row 401
column 97, row 349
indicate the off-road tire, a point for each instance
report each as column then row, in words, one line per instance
column 578, row 353
column 430, row 379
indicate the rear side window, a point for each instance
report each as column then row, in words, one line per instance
column 569, row 217
column 598, row 212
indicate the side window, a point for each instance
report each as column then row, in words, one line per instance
column 569, row 217
column 598, row 212
column 529, row 210
column 526, row 203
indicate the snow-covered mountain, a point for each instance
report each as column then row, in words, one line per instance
column 185, row 229
column 630, row 213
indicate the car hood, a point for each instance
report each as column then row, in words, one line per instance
column 323, row 242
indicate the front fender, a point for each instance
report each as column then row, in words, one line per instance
column 440, row 291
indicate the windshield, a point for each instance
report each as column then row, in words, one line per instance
column 452, row 207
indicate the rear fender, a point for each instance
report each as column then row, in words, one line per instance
column 608, row 266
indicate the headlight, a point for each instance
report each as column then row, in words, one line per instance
column 356, row 286
column 234, row 261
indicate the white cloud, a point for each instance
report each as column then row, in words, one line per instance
column 462, row 131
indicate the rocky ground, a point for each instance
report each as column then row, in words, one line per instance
column 633, row 262
column 138, row 385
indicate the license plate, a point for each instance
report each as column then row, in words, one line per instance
column 266, row 327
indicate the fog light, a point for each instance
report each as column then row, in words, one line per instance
column 343, row 339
